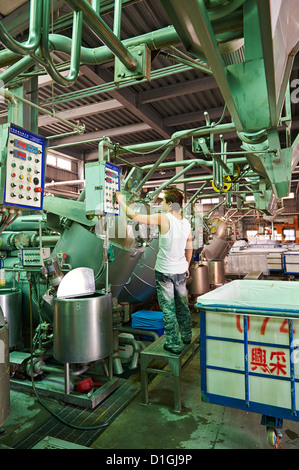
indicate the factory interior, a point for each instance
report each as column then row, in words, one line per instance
column 136, row 97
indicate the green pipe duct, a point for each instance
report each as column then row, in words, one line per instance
column 75, row 48
column 34, row 32
column 95, row 22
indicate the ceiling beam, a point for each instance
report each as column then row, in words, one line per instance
column 79, row 112
column 116, row 131
column 197, row 116
column 178, row 89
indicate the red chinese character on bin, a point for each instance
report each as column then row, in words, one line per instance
column 258, row 359
column 279, row 365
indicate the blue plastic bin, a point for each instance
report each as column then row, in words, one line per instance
column 148, row 320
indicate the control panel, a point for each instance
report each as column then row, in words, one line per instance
column 33, row 257
column 25, row 169
column 111, row 185
column 102, row 181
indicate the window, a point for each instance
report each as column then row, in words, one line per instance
column 289, row 235
column 213, row 200
column 64, row 164
column 51, row 160
column 59, row 162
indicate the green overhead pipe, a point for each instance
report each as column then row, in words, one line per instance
column 198, row 161
column 34, row 36
column 14, row 70
column 96, row 24
column 117, row 18
column 154, row 167
column 96, row 5
column 177, row 136
column 75, row 48
column 99, row 55
column 154, row 40
column 172, row 180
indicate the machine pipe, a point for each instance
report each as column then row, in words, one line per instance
column 154, row 40
column 175, row 177
column 75, row 48
column 95, row 22
column 154, row 167
column 34, row 32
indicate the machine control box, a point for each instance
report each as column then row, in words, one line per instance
column 102, row 181
column 25, row 169
column 33, row 257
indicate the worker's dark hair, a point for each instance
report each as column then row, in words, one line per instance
column 174, row 196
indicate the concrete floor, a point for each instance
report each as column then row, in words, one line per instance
column 155, row 426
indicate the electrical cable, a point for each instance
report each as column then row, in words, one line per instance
column 81, row 428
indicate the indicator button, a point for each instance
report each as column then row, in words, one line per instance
column 13, row 175
column 13, row 165
column 29, row 178
column 21, row 177
column 28, row 188
column 36, row 181
column 38, row 190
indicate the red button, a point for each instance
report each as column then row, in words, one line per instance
column 38, row 190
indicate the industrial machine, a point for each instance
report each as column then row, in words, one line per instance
column 68, row 265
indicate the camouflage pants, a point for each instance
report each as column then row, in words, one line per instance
column 173, row 301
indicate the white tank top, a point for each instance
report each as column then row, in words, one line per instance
column 171, row 257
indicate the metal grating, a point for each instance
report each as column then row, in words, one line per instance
column 105, row 412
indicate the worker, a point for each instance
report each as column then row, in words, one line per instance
column 172, row 266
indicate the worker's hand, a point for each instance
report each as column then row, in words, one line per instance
column 119, row 196
column 187, row 273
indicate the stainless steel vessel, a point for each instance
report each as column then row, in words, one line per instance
column 200, row 283
column 11, row 304
column 216, row 272
column 4, row 371
column 82, row 328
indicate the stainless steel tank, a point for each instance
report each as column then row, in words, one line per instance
column 4, row 371
column 82, row 328
column 200, row 283
column 216, row 272
column 11, row 304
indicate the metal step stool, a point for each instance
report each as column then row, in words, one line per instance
column 177, row 364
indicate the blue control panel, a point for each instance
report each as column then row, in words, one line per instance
column 25, row 169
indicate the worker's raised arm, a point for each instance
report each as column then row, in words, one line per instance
column 153, row 219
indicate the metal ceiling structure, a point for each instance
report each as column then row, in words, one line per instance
column 197, row 55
